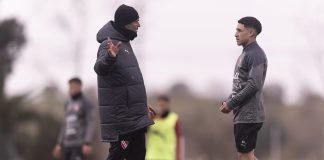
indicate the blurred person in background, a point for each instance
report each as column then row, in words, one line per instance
column 246, row 100
column 77, row 130
column 124, row 113
column 165, row 139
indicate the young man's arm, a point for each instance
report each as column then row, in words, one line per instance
column 62, row 129
column 90, row 122
column 89, row 127
column 104, row 61
column 254, row 83
column 180, row 141
column 58, row 147
column 61, row 134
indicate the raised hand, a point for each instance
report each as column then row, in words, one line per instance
column 112, row 48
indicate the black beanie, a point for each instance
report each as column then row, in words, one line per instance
column 125, row 15
column 251, row 22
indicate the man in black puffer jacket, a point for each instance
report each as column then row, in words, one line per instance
column 121, row 92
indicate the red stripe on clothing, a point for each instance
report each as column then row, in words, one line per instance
column 180, row 147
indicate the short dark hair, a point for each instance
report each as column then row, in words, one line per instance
column 75, row 80
column 164, row 98
column 251, row 22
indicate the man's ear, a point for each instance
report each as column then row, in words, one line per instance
column 252, row 32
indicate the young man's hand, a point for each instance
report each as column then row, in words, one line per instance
column 224, row 108
column 86, row 149
column 112, row 48
column 151, row 112
column 57, row 151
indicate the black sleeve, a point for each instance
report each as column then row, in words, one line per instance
column 61, row 134
column 90, row 121
column 229, row 97
column 104, row 62
column 255, row 82
column 62, row 129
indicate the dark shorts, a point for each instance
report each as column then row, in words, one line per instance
column 130, row 147
column 246, row 135
column 73, row 153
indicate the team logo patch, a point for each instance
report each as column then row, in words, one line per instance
column 76, row 107
column 243, row 144
column 124, row 144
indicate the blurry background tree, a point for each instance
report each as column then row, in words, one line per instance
column 11, row 41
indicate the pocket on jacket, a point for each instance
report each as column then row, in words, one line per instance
column 109, row 133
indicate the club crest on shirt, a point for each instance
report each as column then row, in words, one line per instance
column 124, row 144
column 76, row 107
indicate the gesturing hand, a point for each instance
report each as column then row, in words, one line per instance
column 112, row 48
column 224, row 108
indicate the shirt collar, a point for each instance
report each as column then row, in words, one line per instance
column 250, row 45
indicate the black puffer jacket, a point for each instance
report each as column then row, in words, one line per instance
column 121, row 90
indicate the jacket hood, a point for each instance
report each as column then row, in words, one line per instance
column 109, row 31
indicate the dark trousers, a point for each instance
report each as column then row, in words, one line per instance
column 129, row 147
column 73, row 153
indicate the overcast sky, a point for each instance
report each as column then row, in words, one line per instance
column 180, row 40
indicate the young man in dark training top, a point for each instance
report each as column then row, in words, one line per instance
column 246, row 100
